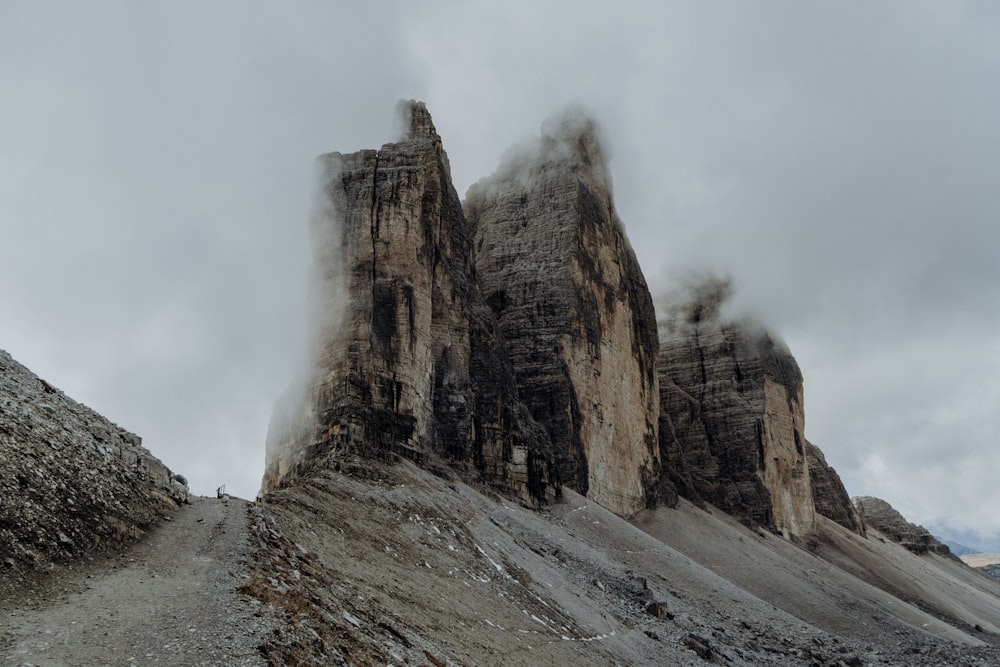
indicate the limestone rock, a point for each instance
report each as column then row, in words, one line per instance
column 574, row 312
column 71, row 482
column 732, row 419
column 883, row 517
column 829, row 495
column 406, row 360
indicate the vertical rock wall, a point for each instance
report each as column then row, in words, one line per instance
column 516, row 341
column 829, row 495
column 407, row 364
column 732, row 418
column 574, row 312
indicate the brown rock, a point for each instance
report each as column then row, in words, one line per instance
column 406, row 360
column 574, row 312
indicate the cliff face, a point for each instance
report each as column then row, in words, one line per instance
column 732, row 419
column 516, row 340
column 883, row 517
column 72, row 481
column 407, row 363
column 575, row 313
column 829, row 495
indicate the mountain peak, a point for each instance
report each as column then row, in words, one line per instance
column 415, row 121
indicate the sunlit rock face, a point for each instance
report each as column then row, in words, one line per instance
column 829, row 495
column 574, row 312
column 732, row 418
column 406, row 360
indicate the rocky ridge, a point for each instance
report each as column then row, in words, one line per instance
column 884, row 518
column 73, row 483
column 731, row 415
column 829, row 495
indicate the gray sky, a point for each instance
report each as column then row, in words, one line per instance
column 839, row 160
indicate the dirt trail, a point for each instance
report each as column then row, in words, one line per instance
column 169, row 600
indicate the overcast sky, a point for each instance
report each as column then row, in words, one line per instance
column 839, row 160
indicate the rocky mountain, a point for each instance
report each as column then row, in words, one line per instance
column 499, row 456
column 72, row 483
column 731, row 415
column 957, row 548
column 407, row 362
column 636, row 415
column 574, row 313
column 829, row 495
column 882, row 516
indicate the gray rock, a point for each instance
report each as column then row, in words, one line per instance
column 883, row 517
column 73, row 482
column 732, row 417
column 829, row 495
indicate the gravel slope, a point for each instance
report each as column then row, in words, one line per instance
column 168, row 600
column 389, row 564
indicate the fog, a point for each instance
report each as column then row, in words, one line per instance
column 837, row 161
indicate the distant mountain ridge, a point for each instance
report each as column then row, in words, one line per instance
column 956, row 548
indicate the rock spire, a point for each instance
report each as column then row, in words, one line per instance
column 574, row 312
column 512, row 337
column 732, row 419
column 408, row 364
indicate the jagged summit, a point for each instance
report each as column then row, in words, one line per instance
column 569, row 142
column 410, row 366
column 416, row 119
column 574, row 312
column 573, row 136
column 514, row 338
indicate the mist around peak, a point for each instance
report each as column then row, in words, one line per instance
column 707, row 302
column 569, row 137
